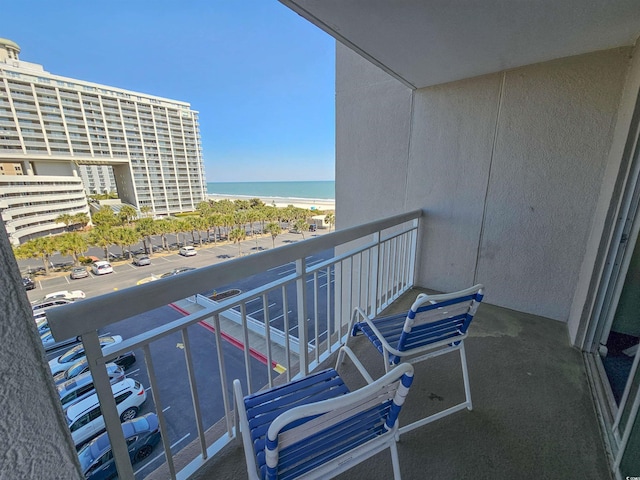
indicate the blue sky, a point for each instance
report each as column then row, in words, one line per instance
column 262, row 78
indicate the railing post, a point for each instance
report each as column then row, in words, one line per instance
column 414, row 247
column 301, row 293
column 375, row 274
column 108, row 409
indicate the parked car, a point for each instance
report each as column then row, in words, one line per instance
column 78, row 272
column 69, row 295
column 313, row 227
column 49, row 303
column 28, row 283
column 50, row 343
column 176, row 271
column 82, row 366
column 101, row 268
column 85, row 418
column 67, row 359
column 80, row 387
column 141, row 435
column 141, row 260
column 187, row 251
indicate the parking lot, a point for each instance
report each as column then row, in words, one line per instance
column 168, row 353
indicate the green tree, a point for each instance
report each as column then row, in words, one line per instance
column 102, row 236
column 274, row 229
column 204, row 209
column 67, row 219
column 125, row 237
column 256, row 203
column 330, row 218
column 72, row 244
column 82, row 219
column 127, row 214
column 197, row 224
column 236, row 236
column 42, row 248
column 145, row 210
column 105, row 217
column 163, row 227
column 301, row 225
column 145, row 229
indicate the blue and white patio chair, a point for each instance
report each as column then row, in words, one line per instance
column 315, row 428
column 435, row 325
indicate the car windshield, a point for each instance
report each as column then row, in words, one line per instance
column 87, row 455
column 76, row 369
column 70, row 354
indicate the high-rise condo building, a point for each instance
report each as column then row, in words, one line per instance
column 65, row 134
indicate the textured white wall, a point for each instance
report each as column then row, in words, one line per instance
column 34, row 440
column 506, row 166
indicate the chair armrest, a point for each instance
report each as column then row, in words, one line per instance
column 384, row 343
column 356, row 361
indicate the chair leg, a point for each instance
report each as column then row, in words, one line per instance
column 395, row 461
column 465, row 376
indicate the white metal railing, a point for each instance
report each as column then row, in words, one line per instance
column 370, row 266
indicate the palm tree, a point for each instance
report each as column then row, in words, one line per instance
column 67, row 219
column 301, row 225
column 163, row 227
column 204, row 209
column 82, row 219
column 183, row 227
column 125, row 237
column 197, row 224
column 145, row 210
column 105, row 217
column 127, row 214
column 102, row 236
column 236, row 236
column 274, row 229
column 212, row 221
column 42, row 247
column 145, row 229
column 330, row 218
column 73, row 244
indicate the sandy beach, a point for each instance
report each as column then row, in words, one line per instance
column 312, row 204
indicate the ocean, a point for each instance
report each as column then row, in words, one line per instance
column 320, row 190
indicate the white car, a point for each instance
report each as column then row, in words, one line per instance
column 69, row 295
column 101, row 268
column 64, row 361
column 187, row 251
column 85, row 419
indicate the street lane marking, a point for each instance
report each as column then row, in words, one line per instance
column 260, row 309
column 183, row 438
column 279, row 316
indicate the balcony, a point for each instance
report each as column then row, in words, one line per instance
column 529, row 386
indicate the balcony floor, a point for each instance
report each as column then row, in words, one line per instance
column 533, row 415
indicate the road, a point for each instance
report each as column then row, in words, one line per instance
column 168, row 353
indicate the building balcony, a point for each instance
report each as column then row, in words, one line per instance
column 533, row 415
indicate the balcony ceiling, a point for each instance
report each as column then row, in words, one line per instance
column 428, row 42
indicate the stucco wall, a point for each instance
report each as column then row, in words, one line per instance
column 506, row 166
column 35, row 442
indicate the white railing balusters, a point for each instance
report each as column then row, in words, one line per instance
column 287, row 341
column 194, row 391
column 303, row 335
column 267, row 331
column 223, row 374
column 373, row 265
column 155, row 392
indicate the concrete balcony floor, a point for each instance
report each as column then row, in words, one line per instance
column 533, row 415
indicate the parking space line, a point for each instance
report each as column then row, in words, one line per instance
column 279, row 316
column 165, row 259
column 158, row 456
column 132, row 372
column 166, row 408
column 259, row 310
